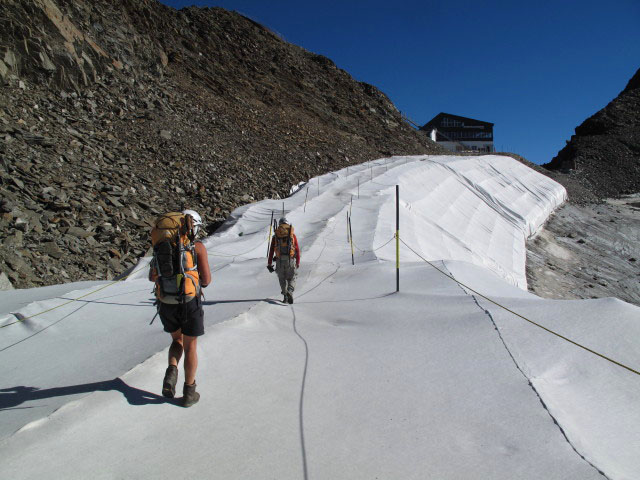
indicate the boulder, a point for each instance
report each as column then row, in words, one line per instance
column 4, row 71
column 79, row 232
column 52, row 249
column 5, row 283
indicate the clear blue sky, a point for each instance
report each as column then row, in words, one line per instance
column 536, row 69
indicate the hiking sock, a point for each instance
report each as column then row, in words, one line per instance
column 169, row 382
column 189, row 395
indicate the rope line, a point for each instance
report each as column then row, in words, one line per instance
column 230, row 255
column 213, row 253
column 381, row 184
column 375, row 249
column 523, row 317
column 22, row 319
column 301, row 401
column 43, row 329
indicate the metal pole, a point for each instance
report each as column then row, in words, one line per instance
column 353, row 262
column 305, row 200
column 283, row 209
column 397, row 238
column 348, row 234
column 358, row 188
column 318, row 186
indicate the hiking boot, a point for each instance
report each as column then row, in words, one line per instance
column 285, row 299
column 289, row 298
column 169, row 383
column 189, row 395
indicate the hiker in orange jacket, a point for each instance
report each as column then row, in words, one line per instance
column 185, row 323
column 286, row 251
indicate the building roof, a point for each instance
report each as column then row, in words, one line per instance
column 435, row 120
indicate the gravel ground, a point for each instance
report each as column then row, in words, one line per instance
column 588, row 251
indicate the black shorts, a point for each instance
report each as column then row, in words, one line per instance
column 175, row 317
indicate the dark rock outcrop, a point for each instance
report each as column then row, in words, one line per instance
column 604, row 154
column 112, row 111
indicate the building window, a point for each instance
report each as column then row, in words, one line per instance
column 450, row 122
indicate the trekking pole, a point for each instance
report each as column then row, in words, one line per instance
column 305, row 200
column 283, row 209
column 358, row 188
column 270, row 226
column 318, row 186
column 353, row 262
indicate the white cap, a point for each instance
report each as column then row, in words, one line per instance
column 197, row 221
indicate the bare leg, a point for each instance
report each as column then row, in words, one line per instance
column 171, row 375
column 190, row 359
column 175, row 350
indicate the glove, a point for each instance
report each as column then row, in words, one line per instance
column 297, row 265
column 270, row 268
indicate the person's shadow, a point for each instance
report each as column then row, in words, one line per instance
column 216, row 302
column 15, row 396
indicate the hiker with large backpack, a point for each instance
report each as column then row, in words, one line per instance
column 180, row 270
column 284, row 248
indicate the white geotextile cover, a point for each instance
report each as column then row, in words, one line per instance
column 353, row 380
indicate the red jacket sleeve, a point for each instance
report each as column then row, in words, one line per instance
column 295, row 242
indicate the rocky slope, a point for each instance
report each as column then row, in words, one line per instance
column 604, row 154
column 590, row 247
column 588, row 251
column 112, row 111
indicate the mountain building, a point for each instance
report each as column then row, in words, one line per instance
column 460, row 134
